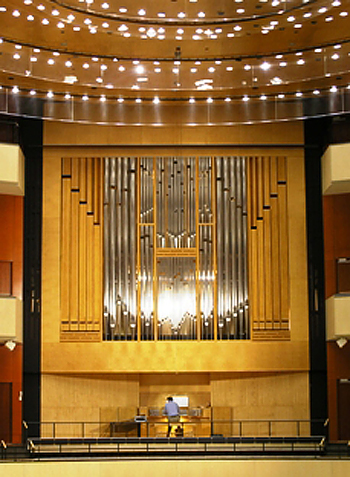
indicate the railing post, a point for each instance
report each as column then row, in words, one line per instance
column 83, row 429
column 240, row 428
column 269, row 428
column 53, row 429
column 298, row 428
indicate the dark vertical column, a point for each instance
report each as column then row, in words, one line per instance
column 316, row 139
column 31, row 142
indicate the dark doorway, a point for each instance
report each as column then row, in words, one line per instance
column 344, row 409
column 6, row 412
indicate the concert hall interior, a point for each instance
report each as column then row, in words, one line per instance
column 175, row 221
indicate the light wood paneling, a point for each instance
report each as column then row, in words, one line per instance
column 268, row 255
column 81, row 249
column 262, row 396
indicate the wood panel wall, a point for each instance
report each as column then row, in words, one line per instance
column 81, row 249
column 336, row 222
column 268, row 247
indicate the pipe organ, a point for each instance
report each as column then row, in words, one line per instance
column 166, row 248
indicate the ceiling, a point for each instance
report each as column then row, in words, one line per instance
column 183, row 50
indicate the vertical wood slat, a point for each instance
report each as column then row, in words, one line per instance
column 74, row 245
column 81, row 250
column 267, row 243
column 276, row 292
column 260, row 242
column 268, row 247
column 65, row 242
column 82, row 245
column 283, row 240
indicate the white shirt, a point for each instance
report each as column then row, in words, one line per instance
column 171, row 409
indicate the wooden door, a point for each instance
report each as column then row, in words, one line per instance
column 6, row 412
column 344, row 409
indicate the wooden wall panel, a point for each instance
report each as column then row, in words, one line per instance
column 263, row 396
column 336, row 223
column 81, row 249
column 268, row 248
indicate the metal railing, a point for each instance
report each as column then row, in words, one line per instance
column 200, row 427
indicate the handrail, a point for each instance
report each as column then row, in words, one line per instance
column 232, row 427
column 3, row 444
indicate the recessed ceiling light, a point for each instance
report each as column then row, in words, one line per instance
column 229, row 68
column 329, row 19
column 16, row 56
column 196, row 37
column 322, row 10
column 197, row 63
column 318, row 50
column 343, row 14
column 68, row 63
column 140, row 70
column 157, row 70
column 33, row 59
column 32, row 92
column 30, row 18
column 210, row 100
column 335, row 56
column 181, row 14
column 142, row 12
column 55, row 13
column 307, row 15
column 298, row 94
column 60, row 25
column 240, row 10
column 337, row 47
column 230, row 35
column 16, row 13
column 276, row 80
column 15, row 89
column 28, row 2
column 85, row 97
column 245, row 98
column 161, row 15
column 45, row 21
column 94, row 58
column 50, row 61
column 105, row 5
column 71, row 18
column 237, row 28
column 102, row 98
column 123, row 10
column 121, row 68
column 87, row 21
column 105, row 25
column 283, row 64
column 156, row 100
column 151, row 32
column 247, row 67
column 316, row 92
column 201, row 14
column 41, row 7
column 138, row 100
column 176, row 71
column 50, row 94
column 67, row 96
column 104, row 67
column 227, row 99
column 109, row 86
column 180, row 31
column 280, row 96
column 265, row 66
column 178, row 37
column 123, row 27
column 191, row 100
column 99, row 80
column 263, row 97
column 56, row 53
column 301, row 62
column 76, row 28
column 211, row 69
column 86, row 65
column 298, row 25
column 120, row 100
column 333, row 89
column 336, row 3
